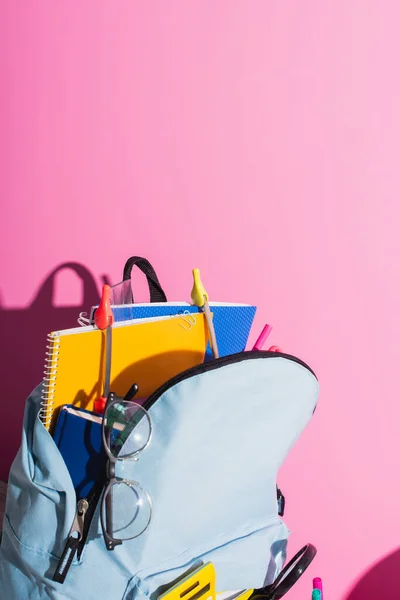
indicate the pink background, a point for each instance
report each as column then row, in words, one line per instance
column 258, row 141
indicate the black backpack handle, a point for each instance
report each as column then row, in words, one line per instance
column 288, row 576
column 157, row 294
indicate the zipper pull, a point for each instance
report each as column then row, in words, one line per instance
column 74, row 538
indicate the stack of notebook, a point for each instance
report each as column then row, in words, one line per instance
column 232, row 322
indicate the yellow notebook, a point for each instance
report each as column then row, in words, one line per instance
column 144, row 351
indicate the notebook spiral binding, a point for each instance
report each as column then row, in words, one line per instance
column 50, row 377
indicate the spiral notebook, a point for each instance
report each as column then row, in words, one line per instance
column 145, row 351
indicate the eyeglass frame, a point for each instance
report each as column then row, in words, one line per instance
column 111, row 479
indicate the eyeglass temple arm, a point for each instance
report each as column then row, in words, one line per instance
column 133, row 390
column 109, row 540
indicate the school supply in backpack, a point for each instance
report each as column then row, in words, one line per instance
column 200, row 299
column 236, row 595
column 148, row 351
column 231, row 321
column 104, row 321
column 77, row 435
column 317, row 585
column 260, row 341
column 197, row 585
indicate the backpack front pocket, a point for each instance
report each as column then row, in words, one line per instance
column 250, row 559
column 41, row 499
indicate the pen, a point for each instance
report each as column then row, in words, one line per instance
column 317, row 585
column 200, row 299
column 262, row 337
column 316, row 595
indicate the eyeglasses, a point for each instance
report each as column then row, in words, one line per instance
column 126, row 507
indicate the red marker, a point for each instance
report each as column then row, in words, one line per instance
column 104, row 320
column 103, row 316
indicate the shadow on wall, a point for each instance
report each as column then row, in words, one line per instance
column 381, row 581
column 22, row 353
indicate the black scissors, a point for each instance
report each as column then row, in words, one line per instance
column 288, row 576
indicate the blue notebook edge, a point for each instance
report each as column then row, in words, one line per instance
column 80, row 444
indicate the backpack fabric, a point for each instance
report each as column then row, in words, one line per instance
column 221, row 431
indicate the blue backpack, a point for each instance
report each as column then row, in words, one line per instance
column 221, row 431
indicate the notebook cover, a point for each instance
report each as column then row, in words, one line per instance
column 232, row 323
column 80, row 444
column 147, row 353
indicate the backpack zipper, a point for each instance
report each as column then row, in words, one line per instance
column 72, row 545
column 87, row 507
column 215, row 363
column 77, row 537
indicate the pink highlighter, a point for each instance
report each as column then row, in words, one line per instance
column 262, row 337
column 261, row 340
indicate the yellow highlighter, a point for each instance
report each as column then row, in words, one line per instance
column 242, row 595
column 198, row 585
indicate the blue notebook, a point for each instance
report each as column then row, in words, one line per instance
column 78, row 437
column 232, row 322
